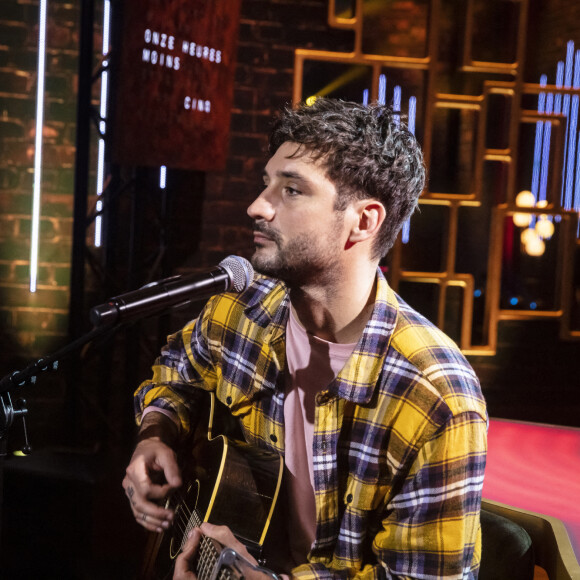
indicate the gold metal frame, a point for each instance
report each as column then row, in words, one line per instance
column 514, row 89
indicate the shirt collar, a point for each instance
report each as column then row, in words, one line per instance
column 357, row 380
column 270, row 306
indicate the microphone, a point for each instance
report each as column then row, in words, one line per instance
column 232, row 273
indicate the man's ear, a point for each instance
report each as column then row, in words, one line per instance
column 370, row 215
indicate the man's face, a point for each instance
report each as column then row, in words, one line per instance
column 298, row 234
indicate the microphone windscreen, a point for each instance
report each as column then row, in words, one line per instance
column 240, row 272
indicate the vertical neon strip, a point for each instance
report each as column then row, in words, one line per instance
column 538, row 144
column 106, row 26
column 34, row 237
column 577, row 188
column 102, row 123
column 100, row 184
column 162, row 176
column 570, row 143
column 406, row 232
column 566, row 112
column 546, row 148
column 365, row 97
column 382, row 89
column 397, row 103
column 98, row 224
column 412, row 113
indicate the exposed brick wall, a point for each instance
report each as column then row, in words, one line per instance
column 208, row 222
column 34, row 323
column 269, row 33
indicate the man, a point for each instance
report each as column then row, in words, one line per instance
column 379, row 417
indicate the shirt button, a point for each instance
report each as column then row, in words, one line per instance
column 273, row 438
column 324, row 445
column 229, row 400
column 349, row 498
column 322, row 398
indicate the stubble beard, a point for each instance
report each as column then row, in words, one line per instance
column 302, row 261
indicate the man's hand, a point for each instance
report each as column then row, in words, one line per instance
column 152, row 473
column 184, row 563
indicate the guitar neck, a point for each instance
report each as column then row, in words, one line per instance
column 215, row 563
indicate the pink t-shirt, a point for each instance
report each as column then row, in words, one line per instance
column 312, row 363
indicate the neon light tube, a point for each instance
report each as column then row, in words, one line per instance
column 162, row 176
column 546, row 148
column 103, row 122
column 538, row 143
column 397, row 103
column 106, row 27
column 382, row 89
column 412, row 114
column 570, row 143
column 34, row 238
column 365, row 97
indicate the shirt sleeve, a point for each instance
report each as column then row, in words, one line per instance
column 430, row 527
column 178, row 377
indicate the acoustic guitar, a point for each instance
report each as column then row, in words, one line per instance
column 229, row 483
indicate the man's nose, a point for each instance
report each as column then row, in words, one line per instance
column 261, row 208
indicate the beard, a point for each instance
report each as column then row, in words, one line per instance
column 303, row 260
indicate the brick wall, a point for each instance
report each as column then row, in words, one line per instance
column 269, row 33
column 208, row 218
column 32, row 324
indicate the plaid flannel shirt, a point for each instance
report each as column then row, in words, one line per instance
column 399, row 440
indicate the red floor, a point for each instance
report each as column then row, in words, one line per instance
column 537, row 468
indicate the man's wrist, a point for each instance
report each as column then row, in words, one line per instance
column 156, row 425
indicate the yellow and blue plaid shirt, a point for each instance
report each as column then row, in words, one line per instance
column 399, row 435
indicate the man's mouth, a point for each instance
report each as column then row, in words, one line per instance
column 260, row 238
column 261, row 235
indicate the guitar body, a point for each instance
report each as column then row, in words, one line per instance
column 230, row 483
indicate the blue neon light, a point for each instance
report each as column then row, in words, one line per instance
column 382, row 89
column 412, row 114
column 538, row 143
column 546, row 148
column 365, row 97
column 397, row 103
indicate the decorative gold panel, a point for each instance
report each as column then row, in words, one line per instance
column 475, row 118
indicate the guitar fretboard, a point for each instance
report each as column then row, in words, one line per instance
column 207, row 554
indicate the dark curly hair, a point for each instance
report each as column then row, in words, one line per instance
column 367, row 152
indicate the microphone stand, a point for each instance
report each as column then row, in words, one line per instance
column 16, row 380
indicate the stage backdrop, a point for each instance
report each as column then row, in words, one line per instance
column 173, row 68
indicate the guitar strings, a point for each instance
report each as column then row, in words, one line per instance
column 187, row 519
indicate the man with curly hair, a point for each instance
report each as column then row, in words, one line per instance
column 379, row 417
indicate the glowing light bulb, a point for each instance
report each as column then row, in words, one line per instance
column 535, row 247
column 522, row 220
column 528, row 235
column 525, row 199
column 545, row 228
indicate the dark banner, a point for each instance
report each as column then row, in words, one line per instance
column 174, row 82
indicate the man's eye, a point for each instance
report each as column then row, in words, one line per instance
column 292, row 191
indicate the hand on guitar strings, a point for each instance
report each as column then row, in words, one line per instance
column 151, row 475
column 185, row 562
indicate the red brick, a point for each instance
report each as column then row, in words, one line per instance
column 20, row 295
column 15, row 82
